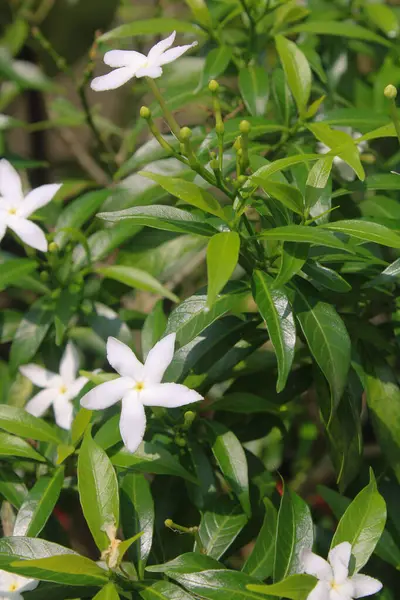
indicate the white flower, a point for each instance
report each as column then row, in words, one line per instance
column 138, row 386
column 130, row 64
column 12, row 586
column 334, row 581
column 345, row 171
column 59, row 389
column 15, row 210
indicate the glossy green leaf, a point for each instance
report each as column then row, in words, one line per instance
column 12, row 488
column 362, row 524
column 366, row 231
column 137, row 515
column 31, row 332
column 265, row 172
column 11, row 446
column 295, row 587
column 276, row 311
column 260, row 563
column 64, row 569
column 164, row 590
column 200, row 12
column 167, row 218
column 338, row 28
column 294, row 534
column 80, row 424
column 103, row 242
column 341, row 144
column 305, row 235
column 231, row 459
column 317, row 180
column 137, row 279
column 217, row 61
column 383, row 17
column 151, row 458
column 327, row 339
column 14, row 549
column 38, row 505
column 77, row 213
column 98, row 491
column 254, row 88
column 325, row 277
column 220, row 525
column 190, row 562
column 293, row 257
column 13, row 270
column 297, row 71
column 16, row 420
column 288, row 195
column 108, row 592
column 222, row 257
column 149, row 27
column 188, row 192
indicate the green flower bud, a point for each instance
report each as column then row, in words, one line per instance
column 214, row 164
column 180, row 441
column 189, row 417
column 213, row 86
column 168, row 522
column 185, row 133
column 145, row 112
column 244, row 127
column 390, row 92
column 220, row 128
column 53, row 247
column 242, row 179
column 44, row 276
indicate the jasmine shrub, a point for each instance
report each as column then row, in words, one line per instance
column 199, row 337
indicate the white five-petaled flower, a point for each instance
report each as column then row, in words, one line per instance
column 59, row 389
column 15, row 209
column 12, row 586
column 334, row 581
column 138, row 386
column 128, row 64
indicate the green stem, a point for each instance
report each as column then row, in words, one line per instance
column 395, row 118
column 169, row 117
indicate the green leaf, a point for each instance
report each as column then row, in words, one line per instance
column 98, row 491
column 153, row 328
column 38, row 505
column 222, row 257
column 13, row 270
column 188, row 192
column 265, row 172
column 77, row 213
column 65, row 569
column 362, row 524
column 191, row 562
column 305, row 235
column 366, row 231
column 317, row 180
column 31, row 332
column 24, row 548
column 217, row 61
column 325, row 277
column 297, row 71
column 200, row 12
column 108, row 592
column 327, row 339
column 80, row 424
column 11, row 446
column 9, row 323
column 276, row 311
column 220, row 525
column 383, row 17
column 66, row 307
column 137, row 514
column 136, row 278
column 260, row 563
column 341, row 144
column 254, row 88
column 12, row 488
column 164, row 590
column 102, row 243
column 293, row 257
column 190, row 317
column 151, row 458
column 287, row 194
column 339, row 28
column 167, row 218
column 16, row 420
column 295, row 587
column 231, row 459
column 149, row 27
column 294, row 533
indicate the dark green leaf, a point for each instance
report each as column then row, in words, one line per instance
column 12, row 270
column 260, row 563
column 293, row 257
column 287, row 194
column 31, row 332
column 136, row 278
column 325, row 277
column 149, row 27
column 303, row 234
column 153, row 328
column 366, row 231
column 220, row 524
column 164, row 590
column 78, row 212
column 12, row 488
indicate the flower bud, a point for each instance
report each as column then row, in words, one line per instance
column 145, row 112
column 390, row 92
column 185, row 133
column 214, row 164
column 44, row 276
column 213, row 86
column 53, row 247
column 180, row 441
column 244, row 127
column 168, row 522
column 242, row 179
column 189, row 417
column 87, row 307
column 220, row 128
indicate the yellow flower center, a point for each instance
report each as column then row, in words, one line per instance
column 139, row 386
column 63, row 389
column 12, row 211
column 13, row 587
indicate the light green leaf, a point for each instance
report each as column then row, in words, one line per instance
column 254, row 88
column 317, row 180
column 338, row 28
column 13, row 270
column 11, row 447
column 149, row 27
column 383, row 17
column 217, row 62
column 281, row 164
column 16, row 420
column 108, row 592
column 77, row 213
column 366, row 231
column 297, row 71
column 137, row 279
column 293, row 257
column 341, row 144
column 164, row 590
column 287, row 194
column 222, row 257
column 295, row 587
column 65, row 569
column 200, row 12
column 305, row 235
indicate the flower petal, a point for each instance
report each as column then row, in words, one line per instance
column 159, row 358
column 320, row 592
column 168, row 395
column 26, row 585
column 132, row 424
column 3, row 224
column 29, row 233
column 365, row 586
column 40, row 376
column 37, row 198
column 174, row 53
column 152, row 72
column 38, row 405
column 75, row 388
column 69, row 364
column 10, row 182
column 159, row 48
column 63, row 412
column 339, row 558
column 315, row 565
column 6, row 579
column 106, row 394
column 112, row 80
column 123, row 360
column 124, row 58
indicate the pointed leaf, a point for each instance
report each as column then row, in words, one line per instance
column 297, row 71
column 222, row 258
